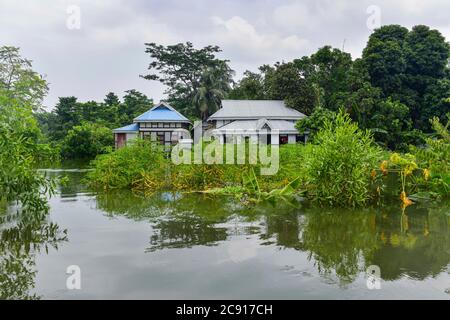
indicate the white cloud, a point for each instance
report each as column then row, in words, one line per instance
column 291, row 16
column 107, row 53
column 238, row 35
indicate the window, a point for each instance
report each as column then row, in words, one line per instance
column 178, row 125
column 166, row 125
column 154, row 125
column 172, row 125
column 160, row 124
column 160, row 137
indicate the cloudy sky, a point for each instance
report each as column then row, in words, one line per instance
column 104, row 50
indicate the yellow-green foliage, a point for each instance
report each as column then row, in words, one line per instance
column 435, row 159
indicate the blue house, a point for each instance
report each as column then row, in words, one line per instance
column 161, row 123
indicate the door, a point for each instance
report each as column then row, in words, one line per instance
column 121, row 140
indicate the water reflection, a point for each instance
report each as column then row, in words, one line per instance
column 416, row 244
column 22, row 236
column 340, row 243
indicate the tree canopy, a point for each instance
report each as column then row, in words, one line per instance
column 18, row 80
column 401, row 81
column 181, row 67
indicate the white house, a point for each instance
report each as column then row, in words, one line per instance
column 251, row 118
column 161, row 123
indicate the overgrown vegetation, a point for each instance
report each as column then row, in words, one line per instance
column 337, row 166
column 21, row 147
column 87, row 141
column 128, row 166
column 83, row 129
column 342, row 167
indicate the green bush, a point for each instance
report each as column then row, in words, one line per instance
column 87, row 141
column 127, row 166
column 337, row 166
column 19, row 154
column 435, row 158
column 315, row 122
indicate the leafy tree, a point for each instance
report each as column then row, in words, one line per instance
column 250, row 87
column 391, row 124
column 385, row 60
column 111, row 105
column 315, row 122
column 214, row 84
column 330, row 72
column 18, row 80
column 437, row 100
column 427, row 54
column 360, row 101
column 111, row 99
column 90, row 111
column 180, row 67
column 67, row 116
column 87, row 141
column 110, row 113
column 285, row 81
column 134, row 104
column 407, row 66
column 20, row 151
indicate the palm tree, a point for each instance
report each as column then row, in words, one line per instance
column 214, row 85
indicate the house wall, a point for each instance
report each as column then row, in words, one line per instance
column 121, row 139
column 131, row 136
column 221, row 123
column 292, row 138
column 165, row 136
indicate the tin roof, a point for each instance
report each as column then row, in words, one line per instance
column 283, row 126
column 129, row 128
column 161, row 112
column 255, row 109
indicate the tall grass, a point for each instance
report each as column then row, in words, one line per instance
column 338, row 165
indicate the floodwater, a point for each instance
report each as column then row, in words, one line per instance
column 188, row 246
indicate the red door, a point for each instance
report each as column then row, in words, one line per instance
column 121, row 140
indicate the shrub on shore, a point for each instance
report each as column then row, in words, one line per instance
column 338, row 165
column 125, row 166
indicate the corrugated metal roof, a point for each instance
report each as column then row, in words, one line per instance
column 283, row 126
column 255, row 109
column 129, row 128
column 161, row 112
